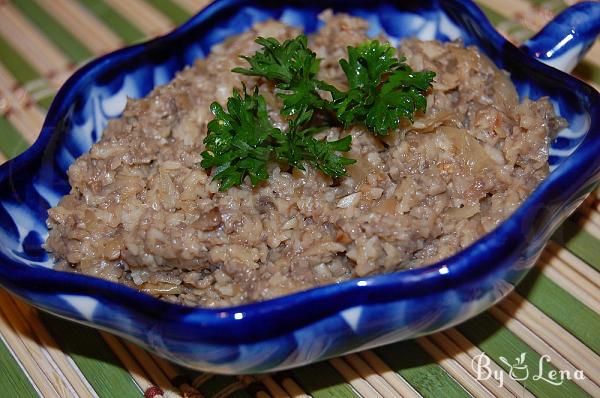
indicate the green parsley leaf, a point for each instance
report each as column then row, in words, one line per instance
column 241, row 141
column 293, row 67
column 383, row 89
column 283, row 63
column 367, row 64
column 301, row 147
column 238, row 142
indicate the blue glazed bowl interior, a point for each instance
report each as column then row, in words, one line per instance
column 37, row 179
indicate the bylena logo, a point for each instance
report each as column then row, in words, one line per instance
column 520, row 370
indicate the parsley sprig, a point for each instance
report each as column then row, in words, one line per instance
column 301, row 147
column 239, row 142
column 242, row 140
column 383, row 89
column 293, row 67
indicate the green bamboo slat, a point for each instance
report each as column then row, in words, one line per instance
column 12, row 142
column 420, row 370
column 580, row 320
column 552, row 5
column 16, row 64
column 14, row 382
column 494, row 16
column 513, row 27
column 579, row 242
column 586, row 71
column 321, row 380
column 172, row 10
column 20, row 69
column 495, row 340
column 93, row 357
column 128, row 32
column 54, row 31
column 45, row 102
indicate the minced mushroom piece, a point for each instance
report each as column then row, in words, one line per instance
column 144, row 213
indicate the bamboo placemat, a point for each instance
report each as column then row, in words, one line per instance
column 554, row 312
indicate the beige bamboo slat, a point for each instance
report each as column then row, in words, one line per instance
column 4, row 108
column 7, row 82
column 548, row 261
column 540, row 346
column 170, row 370
column 594, row 217
column 452, row 339
column 37, row 351
column 394, row 379
column 21, row 345
column 59, row 78
column 30, row 42
column 36, row 117
column 40, row 94
column 464, row 358
column 30, row 111
column 14, row 354
column 16, row 99
column 142, row 15
column 30, row 116
column 552, row 333
column 34, row 85
column 590, row 227
column 465, row 345
column 371, row 376
column 292, row 388
column 157, row 376
column 472, row 351
column 589, row 210
column 17, row 117
column 128, row 362
column 524, row 13
column 262, row 394
column 275, row 389
column 589, row 216
column 573, row 262
column 588, row 280
column 23, row 123
column 61, row 360
column 454, row 369
column 89, row 30
column 361, row 385
column 515, row 37
column 227, row 391
column 24, row 120
column 590, row 300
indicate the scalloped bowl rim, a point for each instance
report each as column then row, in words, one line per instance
column 463, row 266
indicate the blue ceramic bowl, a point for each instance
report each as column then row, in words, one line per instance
column 325, row 321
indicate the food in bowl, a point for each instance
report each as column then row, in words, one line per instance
column 145, row 212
